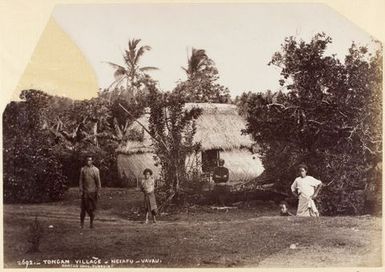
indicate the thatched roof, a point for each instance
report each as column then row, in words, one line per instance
column 219, row 127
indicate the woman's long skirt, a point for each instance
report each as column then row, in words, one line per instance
column 150, row 203
column 306, row 206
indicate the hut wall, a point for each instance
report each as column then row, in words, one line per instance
column 131, row 166
column 242, row 164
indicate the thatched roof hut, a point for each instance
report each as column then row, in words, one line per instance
column 219, row 132
column 220, row 126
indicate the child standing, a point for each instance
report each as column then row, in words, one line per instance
column 147, row 185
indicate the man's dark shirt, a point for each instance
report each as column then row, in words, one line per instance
column 221, row 174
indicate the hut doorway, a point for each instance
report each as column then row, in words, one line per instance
column 209, row 160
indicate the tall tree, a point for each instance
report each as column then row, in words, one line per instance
column 131, row 73
column 172, row 128
column 201, row 84
column 197, row 63
column 329, row 118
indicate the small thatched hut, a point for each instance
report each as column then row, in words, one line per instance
column 219, row 132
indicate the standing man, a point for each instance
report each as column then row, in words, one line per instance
column 89, row 190
column 306, row 189
column 221, row 177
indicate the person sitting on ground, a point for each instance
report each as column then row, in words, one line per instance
column 306, row 189
column 221, row 177
column 147, row 185
column 284, row 210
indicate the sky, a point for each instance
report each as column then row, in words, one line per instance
column 240, row 38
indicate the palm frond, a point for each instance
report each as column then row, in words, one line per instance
column 140, row 52
column 114, row 65
column 196, row 61
column 131, row 52
column 119, row 73
column 128, row 59
column 185, row 69
column 116, row 83
column 119, row 70
column 148, row 68
column 133, row 43
column 132, row 57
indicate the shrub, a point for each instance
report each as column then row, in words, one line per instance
column 32, row 172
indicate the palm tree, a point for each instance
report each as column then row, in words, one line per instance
column 196, row 62
column 131, row 73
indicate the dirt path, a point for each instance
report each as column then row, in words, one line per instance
column 197, row 238
column 48, row 212
column 71, row 214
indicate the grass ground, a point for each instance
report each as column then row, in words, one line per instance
column 194, row 237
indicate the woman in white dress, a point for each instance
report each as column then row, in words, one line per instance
column 306, row 189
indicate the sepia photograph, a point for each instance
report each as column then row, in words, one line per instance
column 195, row 135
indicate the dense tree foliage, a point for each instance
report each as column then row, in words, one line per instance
column 330, row 118
column 44, row 131
column 32, row 172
